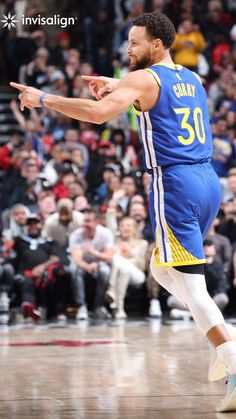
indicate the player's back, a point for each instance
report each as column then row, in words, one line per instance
column 177, row 129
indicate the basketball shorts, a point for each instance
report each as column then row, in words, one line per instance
column 184, row 200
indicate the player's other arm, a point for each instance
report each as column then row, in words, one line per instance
column 133, row 87
column 99, row 86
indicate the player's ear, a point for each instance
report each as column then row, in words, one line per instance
column 158, row 44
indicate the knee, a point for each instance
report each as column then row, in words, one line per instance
column 138, row 277
column 221, row 300
column 8, row 269
column 104, row 271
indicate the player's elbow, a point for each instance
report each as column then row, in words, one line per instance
column 99, row 115
column 99, row 118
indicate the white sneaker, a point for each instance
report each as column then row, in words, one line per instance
column 120, row 314
column 228, row 404
column 177, row 314
column 82, row 313
column 4, row 318
column 216, row 369
column 155, row 308
column 61, row 317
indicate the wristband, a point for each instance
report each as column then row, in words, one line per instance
column 41, row 99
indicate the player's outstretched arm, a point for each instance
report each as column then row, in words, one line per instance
column 100, row 85
column 134, row 87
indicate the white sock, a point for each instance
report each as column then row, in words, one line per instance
column 227, row 354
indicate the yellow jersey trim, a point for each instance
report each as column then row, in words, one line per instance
column 186, row 263
column 136, row 111
column 156, row 77
column 173, row 66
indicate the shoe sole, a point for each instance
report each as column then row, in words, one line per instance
column 228, row 405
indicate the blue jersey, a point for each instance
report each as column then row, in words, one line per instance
column 177, row 129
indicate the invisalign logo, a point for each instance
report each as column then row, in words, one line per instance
column 9, row 21
column 56, row 20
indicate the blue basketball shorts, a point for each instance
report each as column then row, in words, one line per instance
column 184, row 200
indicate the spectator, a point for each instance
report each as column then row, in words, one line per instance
column 61, row 224
column 34, row 256
column 58, row 84
column 232, row 290
column 138, row 212
column 81, row 203
column 33, row 129
column 61, row 189
column 125, row 153
column 78, row 152
column 231, row 187
column 222, row 244
column 76, row 189
column 7, row 162
column 113, row 215
column 18, row 218
column 61, row 51
column 91, row 249
column 114, row 189
column 107, row 172
column 188, row 44
column 46, row 204
column 136, row 199
column 128, row 185
column 223, row 152
column 23, row 186
column 128, row 265
column 217, row 283
column 212, row 25
column 227, row 227
column 36, row 70
column 102, row 37
column 7, row 257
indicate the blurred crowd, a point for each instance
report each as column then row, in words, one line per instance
column 75, row 233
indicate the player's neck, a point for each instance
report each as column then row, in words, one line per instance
column 164, row 58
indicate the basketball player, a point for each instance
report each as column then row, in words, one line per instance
column 185, row 194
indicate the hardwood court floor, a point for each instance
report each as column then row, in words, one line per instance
column 107, row 371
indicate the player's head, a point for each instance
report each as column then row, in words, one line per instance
column 150, row 35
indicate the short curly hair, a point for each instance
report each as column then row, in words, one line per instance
column 157, row 25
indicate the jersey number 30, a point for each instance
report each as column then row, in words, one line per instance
column 196, row 130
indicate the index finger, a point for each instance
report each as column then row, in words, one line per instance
column 91, row 78
column 18, row 86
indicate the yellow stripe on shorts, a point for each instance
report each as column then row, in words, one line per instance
column 180, row 256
